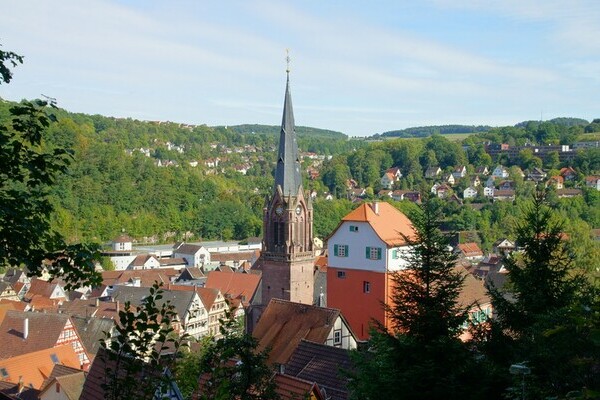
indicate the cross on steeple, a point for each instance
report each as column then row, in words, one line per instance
column 287, row 61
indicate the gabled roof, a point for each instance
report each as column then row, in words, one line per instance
column 207, row 295
column 44, row 331
column 470, row 249
column 123, row 239
column 284, row 324
column 192, row 273
column 91, row 330
column 70, row 380
column 180, row 300
column 389, row 223
column 187, row 249
column 473, row 290
column 41, row 287
column 34, row 367
column 91, row 308
column 147, row 276
column 242, row 286
column 141, row 260
column 322, row 364
column 293, row 388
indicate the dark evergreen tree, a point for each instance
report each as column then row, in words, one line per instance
column 422, row 358
column 546, row 312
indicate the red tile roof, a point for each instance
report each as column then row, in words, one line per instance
column 44, row 331
column 284, row 324
column 35, row 367
column 389, row 223
column 236, row 285
column 292, row 388
column 470, row 249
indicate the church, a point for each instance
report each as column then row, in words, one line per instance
column 287, row 258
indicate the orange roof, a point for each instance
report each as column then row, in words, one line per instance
column 35, row 367
column 291, row 387
column 321, row 263
column 470, row 249
column 389, row 223
column 147, row 276
column 473, row 290
column 236, row 285
column 284, row 324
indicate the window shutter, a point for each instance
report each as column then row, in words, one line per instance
column 335, row 249
column 394, row 254
column 368, row 252
column 346, row 250
column 379, row 253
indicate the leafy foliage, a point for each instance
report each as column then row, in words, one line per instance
column 547, row 313
column 234, row 368
column 134, row 356
column 28, row 169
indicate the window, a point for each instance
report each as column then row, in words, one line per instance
column 366, row 287
column 340, row 250
column 342, row 274
column 3, row 373
column 337, row 337
column 395, row 254
column 54, row 358
column 373, row 253
column 353, row 228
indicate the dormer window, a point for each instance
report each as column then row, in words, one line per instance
column 353, row 228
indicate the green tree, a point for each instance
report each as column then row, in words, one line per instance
column 28, row 169
column 234, row 367
column 544, row 292
column 134, row 355
column 422, row 358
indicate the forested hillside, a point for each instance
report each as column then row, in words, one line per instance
column 156, row 181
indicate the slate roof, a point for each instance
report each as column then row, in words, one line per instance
column 179, row 299
column 11, row 391
column 192, row 273
column 322, row 364
column 91, row 308
column 187, row 249
column 236, row 285
column 91, row 330
column 287, row 171
column 34, row 367
column 284, row 324
column 389, row 224
column 44, row 330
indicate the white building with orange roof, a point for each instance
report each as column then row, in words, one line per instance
column 366, row 247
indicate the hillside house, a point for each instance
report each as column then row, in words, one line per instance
column 482, row 170
column 568, row 173
column 536, row 174
column 459, row 172
column 433, row 172
column 470, row 193
column 503, row 246
column 390, row 177
column 500, row 172
column 557, row 181
column 469, row 251
column 502, row 195
column 593, row 182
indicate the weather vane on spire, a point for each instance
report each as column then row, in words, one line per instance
column 287, row 60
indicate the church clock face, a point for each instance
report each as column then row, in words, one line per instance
column 298, row 210
column 279, row 210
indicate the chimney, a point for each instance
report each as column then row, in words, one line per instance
column 376, row 207
column 97, row 302
column 25, row 328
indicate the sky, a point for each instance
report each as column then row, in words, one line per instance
column 356, row 67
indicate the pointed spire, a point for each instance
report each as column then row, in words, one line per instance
column 287, row 174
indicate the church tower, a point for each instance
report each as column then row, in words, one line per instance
column 287, row 258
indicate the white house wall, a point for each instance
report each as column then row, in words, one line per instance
column 357, row 243
column 348, row 341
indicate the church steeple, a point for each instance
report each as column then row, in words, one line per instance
column 287, row 174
